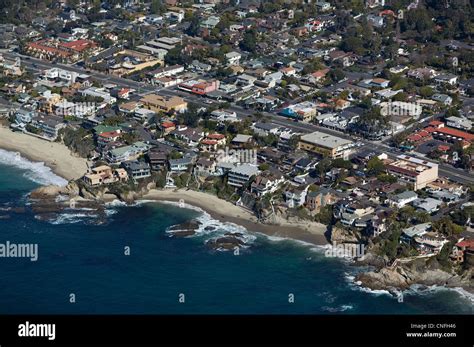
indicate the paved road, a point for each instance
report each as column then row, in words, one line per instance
column 37, row 65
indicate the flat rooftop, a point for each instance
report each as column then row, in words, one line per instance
column 325, row 140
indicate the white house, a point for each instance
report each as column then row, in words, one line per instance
column 402, row 199
column 233, row 58
column 296, row 196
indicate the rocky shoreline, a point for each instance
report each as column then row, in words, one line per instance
column 382, row 275
column 403, row 277
column 50, row 201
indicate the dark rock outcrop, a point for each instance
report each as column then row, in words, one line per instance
column 184, row 229
column 403, row 276
column 229, row 241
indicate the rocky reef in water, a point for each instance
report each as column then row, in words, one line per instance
column 230, row 241
column 48, row 202
column 184, row 229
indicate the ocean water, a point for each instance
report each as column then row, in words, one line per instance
column 77, row 256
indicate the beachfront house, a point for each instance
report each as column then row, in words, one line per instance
column 137, row 169
column 180, row 164
column 104, row 174
column 126, row 153
column 241, row 174
column 23, row 116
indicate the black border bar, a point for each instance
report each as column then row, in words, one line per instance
column 201, row 329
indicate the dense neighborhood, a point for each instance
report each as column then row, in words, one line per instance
column 355, row 114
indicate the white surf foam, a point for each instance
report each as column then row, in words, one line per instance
column 357, row 285
column 312, row 246
column 340, row 308
column 211, row 228
column 415, row 289
column 71, row 218
column 427, row 290
column 35, row 171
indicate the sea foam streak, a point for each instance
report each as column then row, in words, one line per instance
column 212, row 228
column 414, row 289
column 35, row 171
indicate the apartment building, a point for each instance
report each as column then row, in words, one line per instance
column 414, row 171
column 159, row 103
column 325, row 144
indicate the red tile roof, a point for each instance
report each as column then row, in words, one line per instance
column 414, row 137
column 443, row 148
column 79, row 45
column 168, row 124
column 209, row 142
column 430, row 129
column 215, row 136
column 456, row 133
column 469, row 243
column 110, row 134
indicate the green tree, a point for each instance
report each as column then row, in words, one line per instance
column 426, row 91
column 447, row 227
column 194, row 26
column 375, row 166
column 249, row 41
column 336, row 75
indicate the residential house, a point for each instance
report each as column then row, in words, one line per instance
column 137, row 169
column 459, row 123
column 205, row 166
column 410, row 233
column 317, row 199
column 295, row 196
column 442, row 98
column 233, row 58
column 181, row 164
column 242, row 141
column 266, row 183
column 104, row 175
column 463, row 251
column 157, row 159
column 429, row 205
column 127, row 153
column 402, row 199
column 49, row 126
column 190, row 136
column 446, row 79
column 241, row 174
column 265, row 129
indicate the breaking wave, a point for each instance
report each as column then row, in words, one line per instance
column 37, row 172
column 211, row 228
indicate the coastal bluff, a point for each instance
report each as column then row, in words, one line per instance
column 426, row 272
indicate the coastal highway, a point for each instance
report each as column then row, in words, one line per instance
column 37, row 65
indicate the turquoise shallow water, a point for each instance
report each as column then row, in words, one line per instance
column 76, row 256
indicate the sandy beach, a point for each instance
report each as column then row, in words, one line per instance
column 60, row 159
column 54, row 155
column 224, row 211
